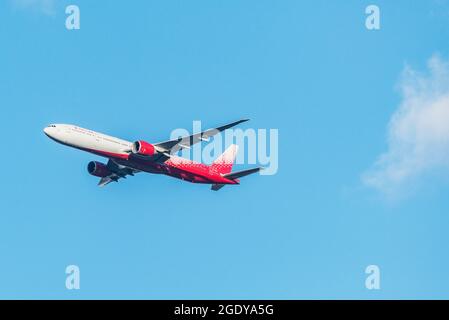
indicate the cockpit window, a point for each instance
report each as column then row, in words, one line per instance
column 52, row 126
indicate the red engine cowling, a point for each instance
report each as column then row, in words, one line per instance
column 143, row 148
column 98, row 169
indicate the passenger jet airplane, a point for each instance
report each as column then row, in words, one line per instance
column 127, row 158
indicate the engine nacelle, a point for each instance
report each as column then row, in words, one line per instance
column 98, row 169
column 143, row 148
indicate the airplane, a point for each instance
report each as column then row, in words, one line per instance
column 128, row 158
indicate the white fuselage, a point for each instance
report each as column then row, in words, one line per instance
column 88, row 140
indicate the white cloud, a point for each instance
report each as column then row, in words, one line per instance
column 418, row 132
column 45, row 6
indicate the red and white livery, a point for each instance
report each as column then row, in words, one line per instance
column 127, row 158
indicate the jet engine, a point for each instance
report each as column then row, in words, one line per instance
column 143, row 148
column 98, row 169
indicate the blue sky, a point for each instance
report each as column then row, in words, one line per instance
column 309, row 69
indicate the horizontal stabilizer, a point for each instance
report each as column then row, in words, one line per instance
column 239, row 174
column 216, row 187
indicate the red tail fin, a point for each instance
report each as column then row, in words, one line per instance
column 223, row 164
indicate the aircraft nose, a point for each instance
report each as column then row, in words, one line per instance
column 49, row 131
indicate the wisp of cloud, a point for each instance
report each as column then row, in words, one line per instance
column 45, row 6
column 418, row 132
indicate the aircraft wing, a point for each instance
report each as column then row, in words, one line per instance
column 173, row 146
column 118, row 172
